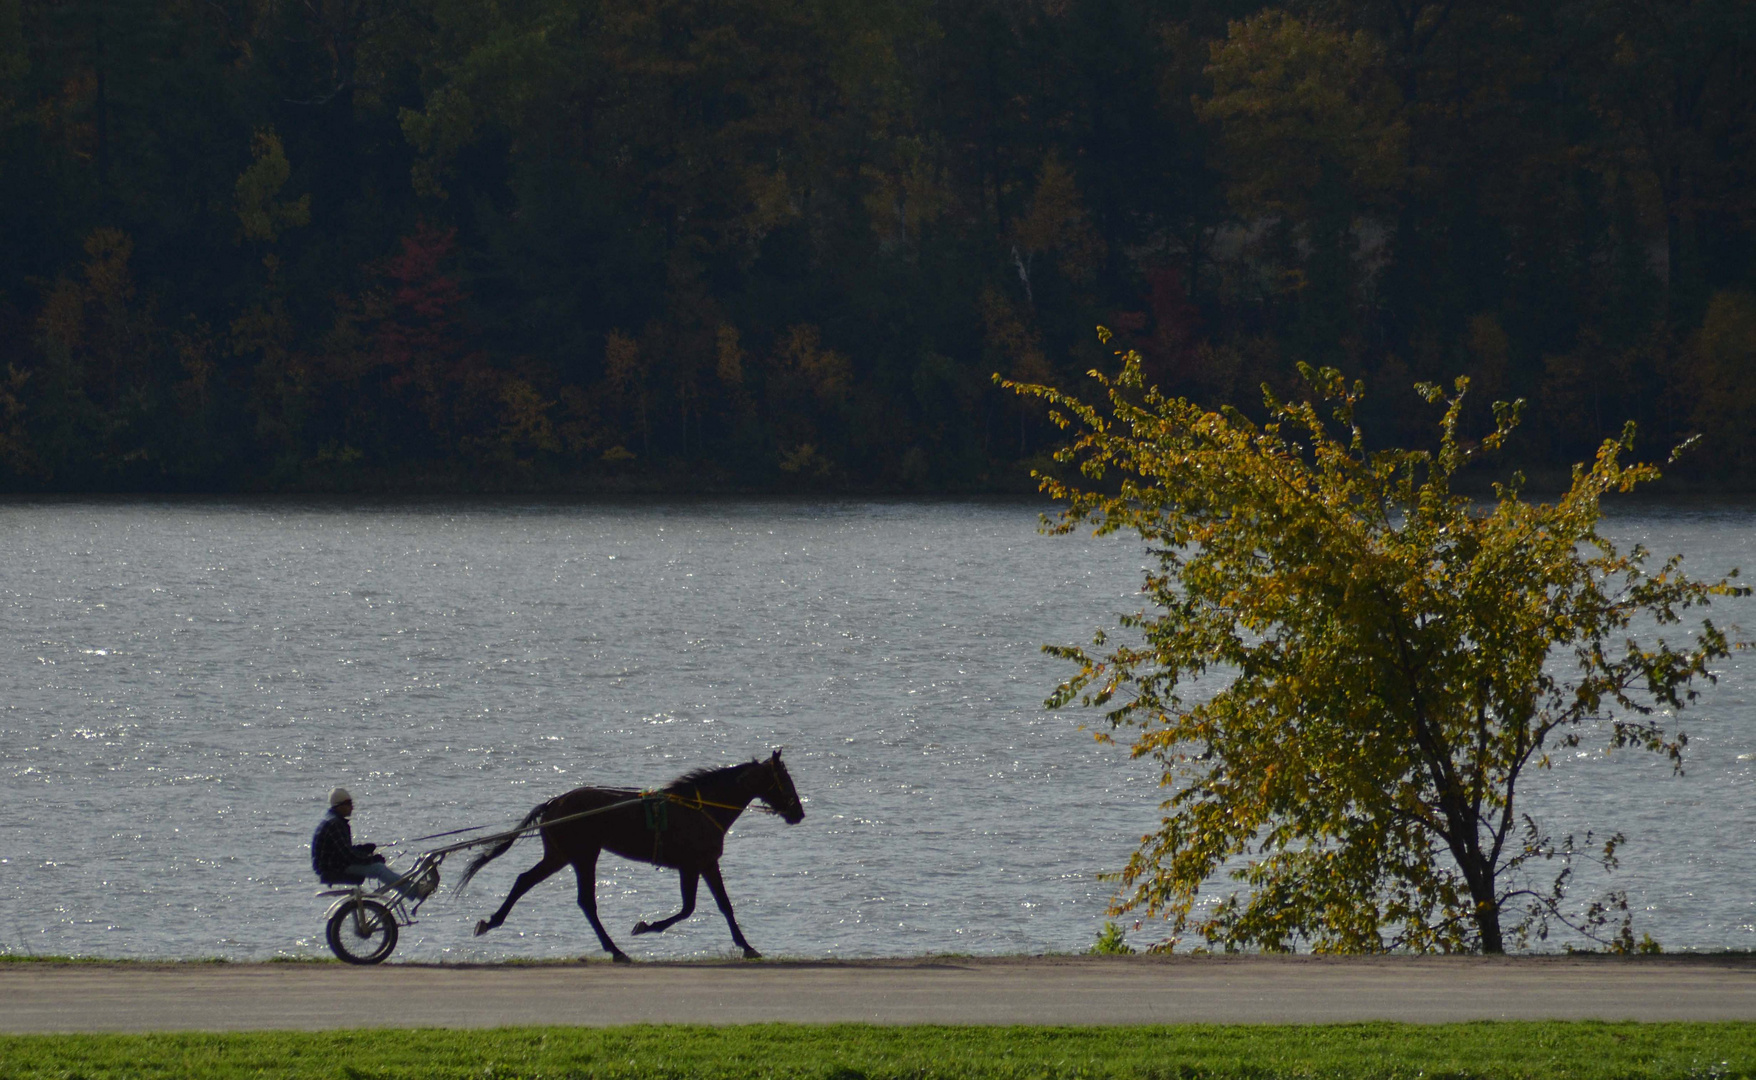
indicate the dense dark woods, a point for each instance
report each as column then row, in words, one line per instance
column 778, row 244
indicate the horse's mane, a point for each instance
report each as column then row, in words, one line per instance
column 709, row 775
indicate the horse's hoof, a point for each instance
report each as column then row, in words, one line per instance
column 482, row 927
column 751, row 954
column 620, row 958
column 641, row 927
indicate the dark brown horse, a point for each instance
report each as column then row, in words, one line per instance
column 682, row 825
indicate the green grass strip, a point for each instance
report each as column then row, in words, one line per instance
column 866, row 1052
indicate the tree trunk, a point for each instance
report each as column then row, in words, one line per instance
column 1488, row 925
column 99, row 62
column 1480, row 877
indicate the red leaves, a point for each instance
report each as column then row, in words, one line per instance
column 422, row 326
column 422, row 341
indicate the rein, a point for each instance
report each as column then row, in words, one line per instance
column 697, row 804
column 668, row 796
column 648, row 797
column 435, row 836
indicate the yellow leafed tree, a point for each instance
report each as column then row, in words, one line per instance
column 1396, row 661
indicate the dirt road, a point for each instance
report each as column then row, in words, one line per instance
column 1061, row 990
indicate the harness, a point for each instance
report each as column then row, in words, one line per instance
column 655, row 804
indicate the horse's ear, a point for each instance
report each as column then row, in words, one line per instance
column 776, row 755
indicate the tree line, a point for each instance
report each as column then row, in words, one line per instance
column 736, row 244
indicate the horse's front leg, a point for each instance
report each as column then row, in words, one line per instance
column 586, row 867
column 688, row 879
column 525, row 883
column 717, row 886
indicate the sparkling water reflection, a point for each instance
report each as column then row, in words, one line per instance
column 183, row 681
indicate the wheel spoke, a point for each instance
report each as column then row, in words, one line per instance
column 362, row 932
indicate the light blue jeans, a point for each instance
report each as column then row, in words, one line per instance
column 382, row 872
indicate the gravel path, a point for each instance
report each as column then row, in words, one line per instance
column 1054, row 990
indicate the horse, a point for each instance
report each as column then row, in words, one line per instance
column 682, row 825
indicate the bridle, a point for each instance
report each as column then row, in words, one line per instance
column 700, row 804
column 783, row 784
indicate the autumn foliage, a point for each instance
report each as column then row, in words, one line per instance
column 751, row 244
column 1350, row 674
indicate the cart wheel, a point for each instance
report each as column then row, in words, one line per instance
column 362, row 932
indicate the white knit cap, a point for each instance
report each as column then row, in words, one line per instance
column 339, row 796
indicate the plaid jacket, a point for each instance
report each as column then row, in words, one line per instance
column 333, row 850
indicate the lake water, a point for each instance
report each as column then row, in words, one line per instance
column 182, row 682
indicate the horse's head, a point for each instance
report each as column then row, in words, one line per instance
column 776, row 789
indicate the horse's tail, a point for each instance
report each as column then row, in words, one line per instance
column 502, row 847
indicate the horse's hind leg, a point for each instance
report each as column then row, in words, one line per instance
column 717, row 886
column 688, row 878
column 586, row 867
column 525, row 883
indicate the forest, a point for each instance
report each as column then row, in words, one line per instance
column 777, row 245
